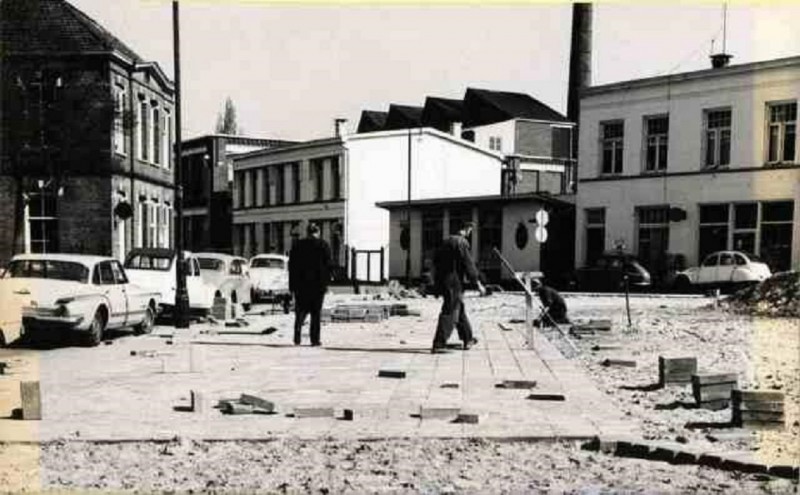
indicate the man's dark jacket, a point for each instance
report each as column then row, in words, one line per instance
column 310, row 266
column 452, row 263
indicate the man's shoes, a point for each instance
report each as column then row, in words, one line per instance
column 439, row 350
column 316, row 344
column 471, row 342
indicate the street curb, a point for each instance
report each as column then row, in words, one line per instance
column 679, row 454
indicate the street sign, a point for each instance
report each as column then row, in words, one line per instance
column 542, row 218
column 540, row 234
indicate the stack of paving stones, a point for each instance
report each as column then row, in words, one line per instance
column 676, row 453
column 246, row 404
column 591, row 328
column 368, row 312
column 676, row 370
column 713, row 390
column 758, row 409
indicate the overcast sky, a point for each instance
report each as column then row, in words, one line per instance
column 292, row 69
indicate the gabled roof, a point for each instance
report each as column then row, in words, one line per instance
column 484, row 107
column 439, row 113
column 371, row 121
column 52, row 27
column 403, row 117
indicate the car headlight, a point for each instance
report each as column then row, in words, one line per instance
column 61, row 310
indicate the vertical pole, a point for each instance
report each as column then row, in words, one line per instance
column 181, row 294
column 529, row 309
column 369, row 266
column 382, row 262
column 408, row 215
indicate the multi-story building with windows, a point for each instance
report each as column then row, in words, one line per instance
column 336, row 183
column 692, row 163
column 86, row 164
column 207, row 174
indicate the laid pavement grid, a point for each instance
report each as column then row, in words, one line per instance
column 119, row 396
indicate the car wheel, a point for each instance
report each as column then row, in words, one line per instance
column 98, row 326
column 253, row 298
column 146, row 326
column 287, row 304
column 683, row 285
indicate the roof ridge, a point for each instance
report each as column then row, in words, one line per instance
column 104, row 36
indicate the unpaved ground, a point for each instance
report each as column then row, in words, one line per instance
column 765, row 352
column 395, row 466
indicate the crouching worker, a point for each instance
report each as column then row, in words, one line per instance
column 554, row 305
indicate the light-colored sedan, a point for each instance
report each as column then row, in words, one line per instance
column 71, row 292
column 269, row 274
column 229, row 274
column 154, row 268
column 724, row 270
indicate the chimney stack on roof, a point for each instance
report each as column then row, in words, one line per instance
column 719, row 60
column 339, row 127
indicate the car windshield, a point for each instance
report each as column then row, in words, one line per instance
column 266, row 263
column 144, row 261
column 753, row 258
column 211, row 264
column 49, row 269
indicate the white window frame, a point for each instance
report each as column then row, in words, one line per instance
column 152, row 226
column 120, row 95
column 155, row 133
column 617, row 145
column 781, row 126
column 659, row 139
column 166, row 146
column 144, row 127
column 717, row 132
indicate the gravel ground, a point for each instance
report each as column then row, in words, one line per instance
column 765, row 353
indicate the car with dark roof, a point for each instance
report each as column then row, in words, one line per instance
column 608, row 273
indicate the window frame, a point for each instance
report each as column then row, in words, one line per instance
column 717, row 131
column 661, row 141
column 617, row 150
column 781, row 126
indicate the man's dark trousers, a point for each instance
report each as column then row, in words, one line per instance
column 452, row 314
column 308, row 304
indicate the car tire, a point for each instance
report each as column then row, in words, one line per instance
column 287, row 305
column 96, row 330
column 683, row 285
column 146, row 326
column 253, row 298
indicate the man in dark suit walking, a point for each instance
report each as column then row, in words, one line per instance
column 309, row 274
column 452, row 264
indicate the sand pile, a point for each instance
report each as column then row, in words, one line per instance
column 779, row 295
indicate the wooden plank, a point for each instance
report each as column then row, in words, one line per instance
column 619, row 362
column 714, row 391
column 555, row 397
column 391, row 374
column 313, row 412
column 772, row 416
column 710, row 378
column 197, row 401
column 761, row 406
column 757, row 395
column 467, row 419
column 31, row 400
column 714, row 404
column 439, row 412
column 517, row 384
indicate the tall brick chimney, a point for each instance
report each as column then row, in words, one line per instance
column 580, row 70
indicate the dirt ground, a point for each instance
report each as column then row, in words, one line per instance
column 765, row 352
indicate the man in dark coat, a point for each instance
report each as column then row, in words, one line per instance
column 553, row 303
column 452, row 263
column 309, row 274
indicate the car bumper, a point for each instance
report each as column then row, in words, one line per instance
column 40, row 322
column 271, row 293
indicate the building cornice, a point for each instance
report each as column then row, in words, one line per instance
column 713, row 171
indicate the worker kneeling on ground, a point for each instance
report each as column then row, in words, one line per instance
column 555, row 308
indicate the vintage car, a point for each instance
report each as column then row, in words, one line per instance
column 229, row 274
column 154, row 268
column 608, row 272
column 727, row 270
column 46, row 293
column 269, row 275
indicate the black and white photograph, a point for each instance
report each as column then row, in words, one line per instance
column 392, row 247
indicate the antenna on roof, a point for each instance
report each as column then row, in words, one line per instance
column 724, row 25
column 722, row 59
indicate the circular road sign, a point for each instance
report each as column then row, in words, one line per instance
column 542, row 218
column 540, row 234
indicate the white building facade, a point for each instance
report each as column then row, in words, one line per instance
column 337, row 182
column 692, row 163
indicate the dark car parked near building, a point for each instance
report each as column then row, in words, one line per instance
column 608, row 272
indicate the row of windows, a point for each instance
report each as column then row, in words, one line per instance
column 276, row 239
column 273, row 189
column 781, row 139
column 760, row 228
column 152, row 129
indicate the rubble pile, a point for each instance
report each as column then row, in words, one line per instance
column 779, row 295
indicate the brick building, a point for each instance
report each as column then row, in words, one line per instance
column 87, row 134
column 207, row 179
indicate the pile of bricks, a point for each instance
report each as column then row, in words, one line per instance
column 775, row 296
column 372, row 312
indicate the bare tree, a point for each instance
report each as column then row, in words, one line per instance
column 226, row 119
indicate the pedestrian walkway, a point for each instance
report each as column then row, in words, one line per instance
column 107, row 393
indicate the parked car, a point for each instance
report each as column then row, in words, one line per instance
column 723, row 270
column 229, row 274
column 48, row 293
column 269, row 275
column 154, row 268
column 608, row 272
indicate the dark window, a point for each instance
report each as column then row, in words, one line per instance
column 782, row 132
column 718, row 138
column 612, row 147
column 119, row 273
column 432, row 234
column 43, row 221
column 280, row 184
column 653, row 231
column 711, row 260
column 595, row 234
column 317, row 176
column 656, row 139
column 336, row 179
column 296, row 182
column 745, row 216
column 782, row 211
column 562, row 147
column 267, row 229
column 714, row 214
column 157, row 136
column 242, row 188
column 106, row 274
column 490, row 236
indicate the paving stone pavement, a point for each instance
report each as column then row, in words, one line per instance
column 106, row 393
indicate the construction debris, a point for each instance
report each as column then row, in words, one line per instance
column 391, row 374
column 556, row 397
column 778, row 295
column 313, row 412
column 619, row 362
column 758, row 409
column 467, row 419
column 31, row 400
column 713, row 391
column 676, row 370
column 517, row 384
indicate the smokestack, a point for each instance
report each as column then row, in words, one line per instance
column 580, row 77
column 580, row 57
column 339, row 127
